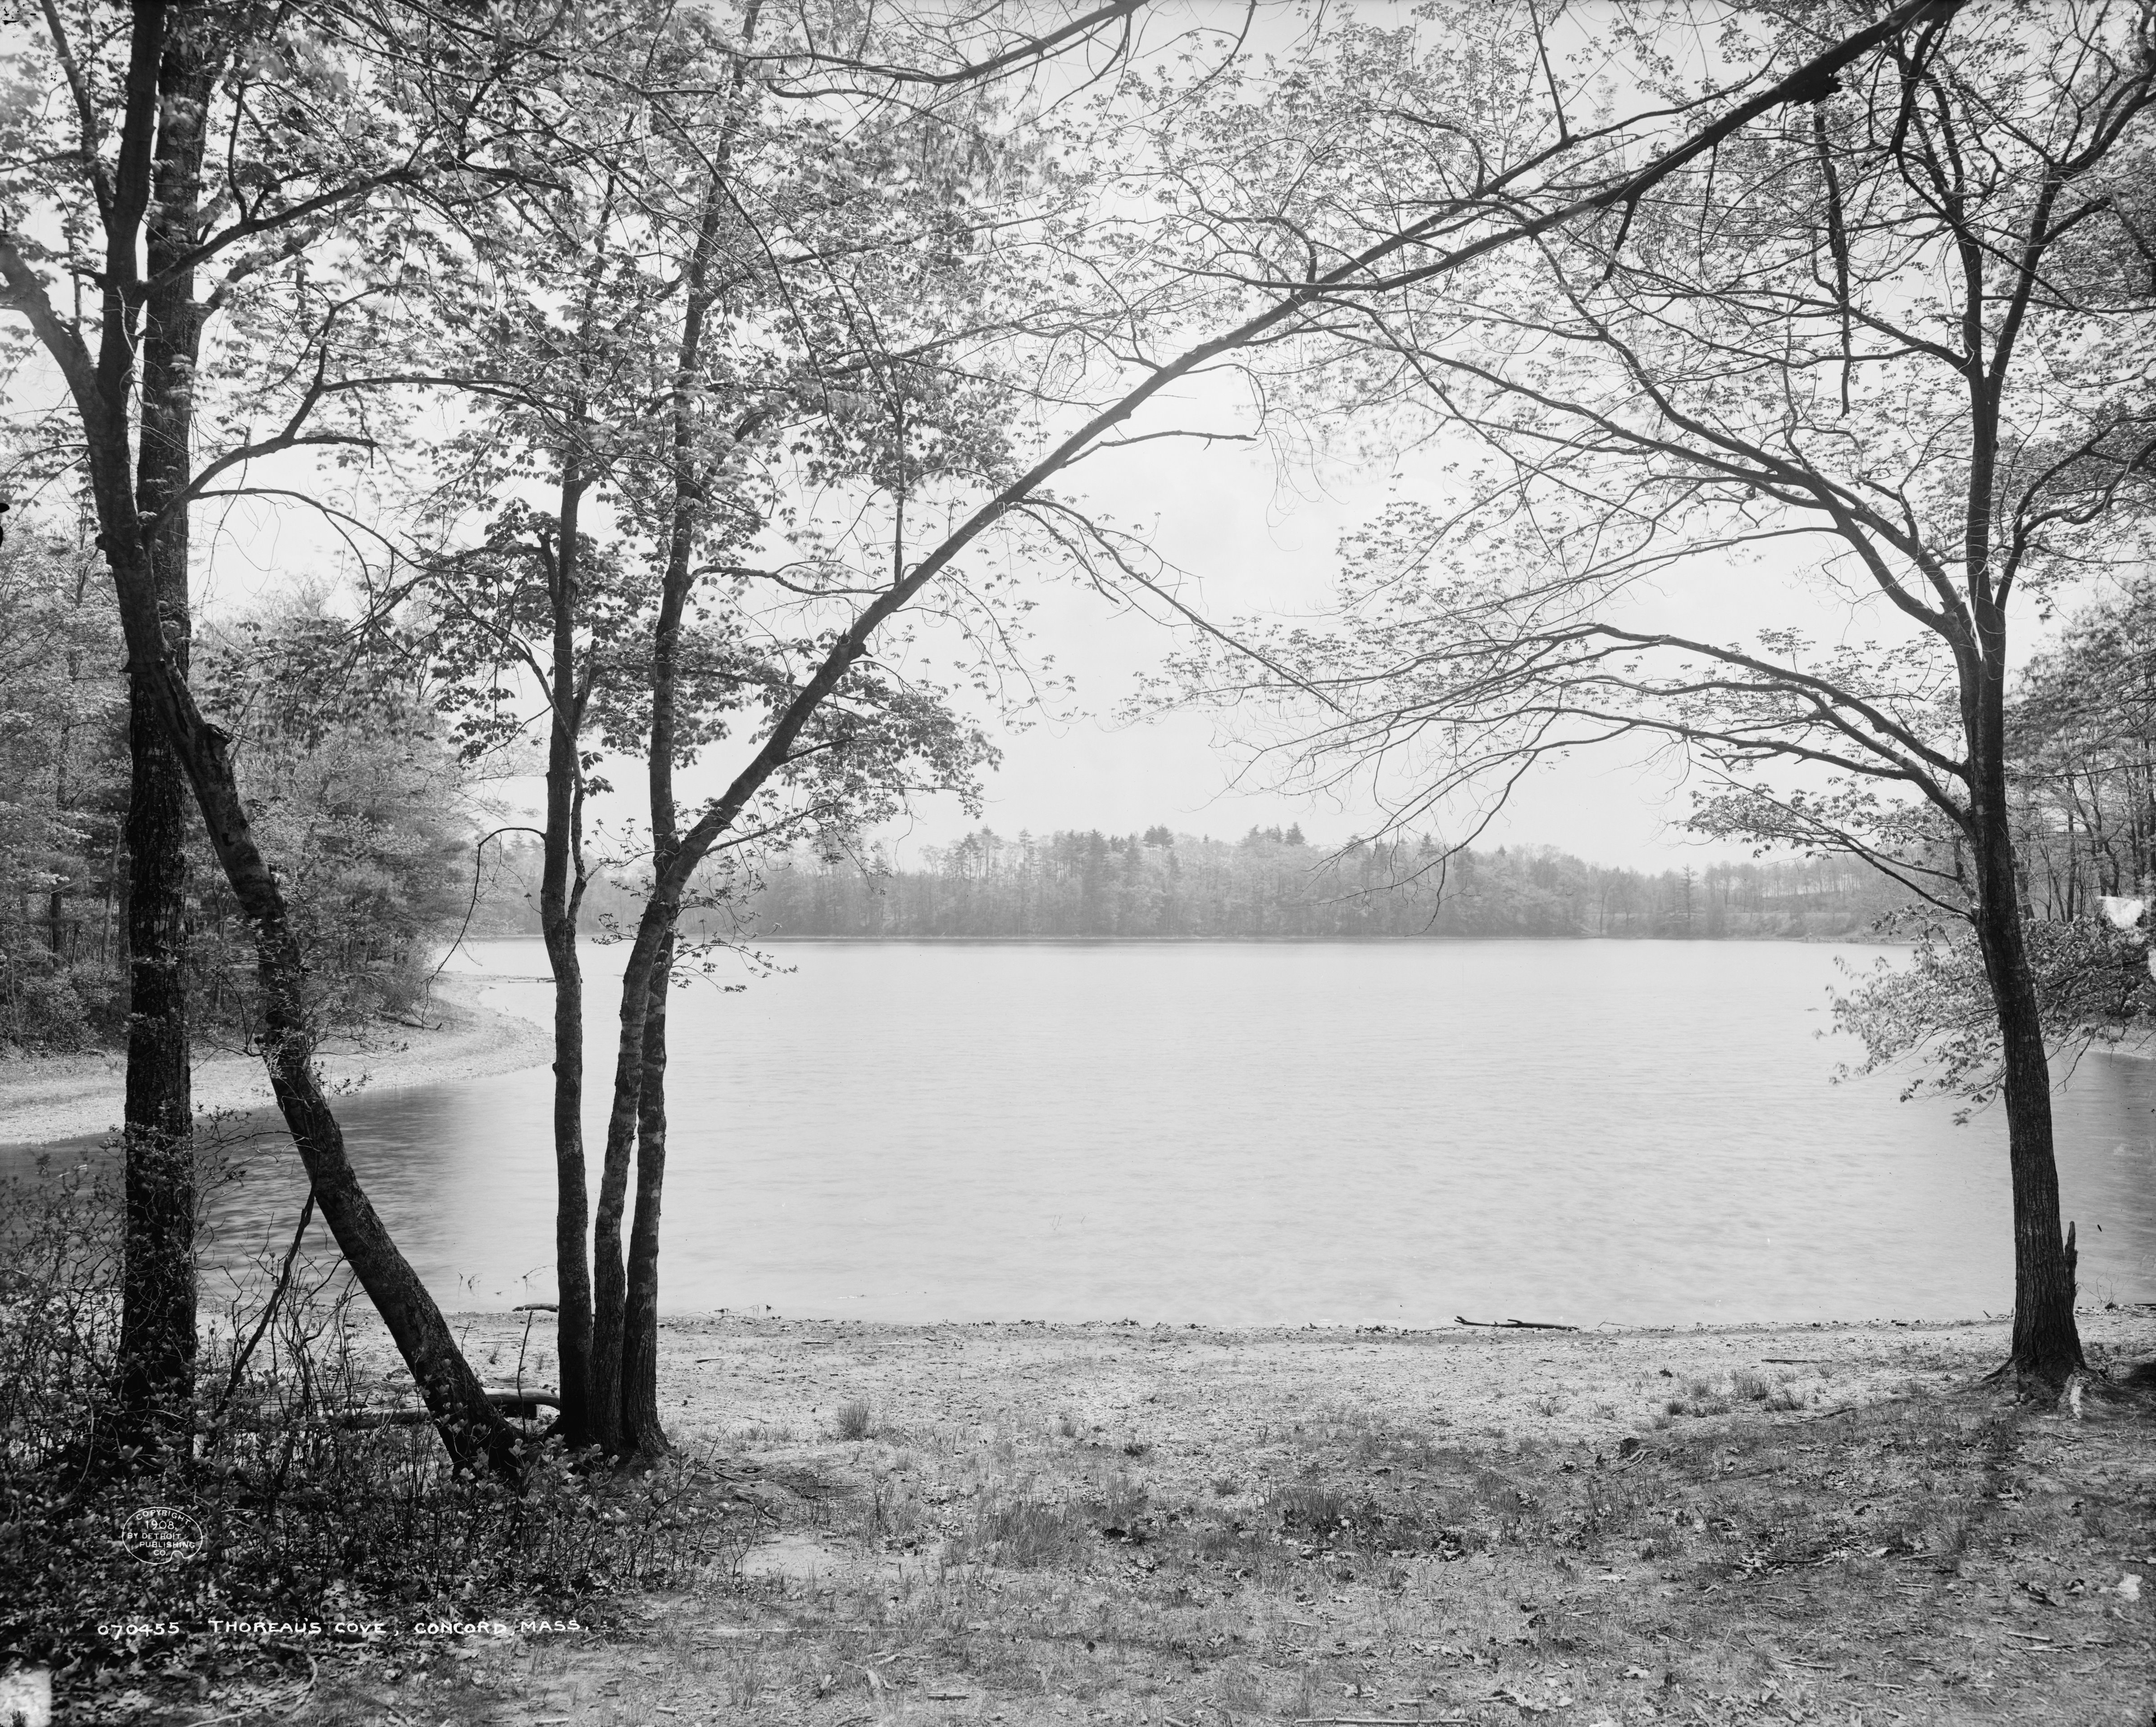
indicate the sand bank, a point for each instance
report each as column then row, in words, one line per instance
column 48, row 1098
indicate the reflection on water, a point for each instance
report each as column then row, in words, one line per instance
column 1263, row 1134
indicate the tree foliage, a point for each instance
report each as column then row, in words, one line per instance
column 63, row 788
column 344, row 759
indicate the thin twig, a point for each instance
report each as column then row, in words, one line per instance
column 269, row 1310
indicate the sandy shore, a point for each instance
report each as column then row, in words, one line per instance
column 1197, row 1400
column 74, row 1097
column 1116, row 1525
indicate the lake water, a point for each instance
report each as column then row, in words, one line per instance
column 1263, row 1134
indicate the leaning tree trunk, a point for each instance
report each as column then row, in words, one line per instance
column 157, row 1283
column 103, row 388
column 470, row 1426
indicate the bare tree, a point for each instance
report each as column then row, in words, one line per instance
column 1892, row 337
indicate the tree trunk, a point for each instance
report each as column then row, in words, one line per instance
column 2047, row 1344
column 150, row 180
column 471, row 1428
column 641, row 1431
column 157, row 1283
column 561, row 898
column 609, row 1276
column 638, row 1430
column 644, row 974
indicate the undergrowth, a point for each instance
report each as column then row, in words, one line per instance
column 300, row 1485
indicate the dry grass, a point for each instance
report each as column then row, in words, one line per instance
column 853, row 1421
column 1935, row 1555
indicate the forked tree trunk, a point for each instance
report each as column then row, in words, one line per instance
column 644, row 974
column 474, row 1432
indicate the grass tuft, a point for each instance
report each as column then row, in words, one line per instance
column 853, row 1420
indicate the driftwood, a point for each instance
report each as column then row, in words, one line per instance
column 1511, row 1325
column 523, row 1406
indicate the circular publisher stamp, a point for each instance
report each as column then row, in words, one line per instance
column 161, row 1534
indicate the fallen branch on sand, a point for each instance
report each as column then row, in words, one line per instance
column 1511, row 1325
column 523, row 1406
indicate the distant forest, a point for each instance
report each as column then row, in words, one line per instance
column 1270, row 884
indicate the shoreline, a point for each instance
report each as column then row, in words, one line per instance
column 1193, row 1394
column 44, row 1100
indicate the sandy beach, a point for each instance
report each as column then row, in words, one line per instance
column 1195, row 1400
column 1153, row 1526
column 48, row 1098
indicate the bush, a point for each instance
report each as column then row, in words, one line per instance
column 307, row 1487
column 47, row 1009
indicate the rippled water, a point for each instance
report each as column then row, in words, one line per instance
column 1585, row 1131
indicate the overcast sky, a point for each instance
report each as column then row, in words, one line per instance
column 1251, row 535
column 1251, row 538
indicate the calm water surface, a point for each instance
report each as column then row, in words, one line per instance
column 1637, row 1131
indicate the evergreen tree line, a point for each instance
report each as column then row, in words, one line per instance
column 1279, row 886
column 1269, row 885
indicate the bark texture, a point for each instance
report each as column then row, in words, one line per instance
column 642, row 1432
column 561, row 899
column 2047, row 1345
column 157, row 1298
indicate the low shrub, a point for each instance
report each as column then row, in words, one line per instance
column 300, row 1485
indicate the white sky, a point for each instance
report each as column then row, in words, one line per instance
column 1250, row 542
column 1250, row 539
